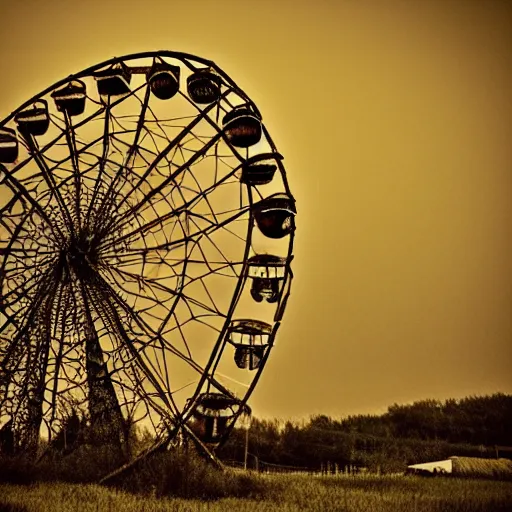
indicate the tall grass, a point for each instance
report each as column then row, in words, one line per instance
column 181, row 481
column 284, row 493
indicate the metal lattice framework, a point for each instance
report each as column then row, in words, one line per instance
column 146, row 233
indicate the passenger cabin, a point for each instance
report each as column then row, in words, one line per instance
column 242, row 127
column 213, row 414
column 33, row 120
column 8, row 146
column 164, row 80
column 114, row 80
column 260, row 169
column 203, row 86
column 250, row 339
column 267, row 273
column 275, row 215
column 71, row 98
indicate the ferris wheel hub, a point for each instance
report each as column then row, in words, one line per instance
column 81, row 253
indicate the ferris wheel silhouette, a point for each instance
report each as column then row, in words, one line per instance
column 146, row 237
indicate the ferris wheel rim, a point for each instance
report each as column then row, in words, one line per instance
column 182, row 56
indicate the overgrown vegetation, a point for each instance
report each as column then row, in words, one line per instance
column 184, row 474
column 86, row 464
column 176, row 473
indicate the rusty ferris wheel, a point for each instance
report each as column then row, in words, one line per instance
column 146, row 235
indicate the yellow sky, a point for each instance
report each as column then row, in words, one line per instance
column 395, row 122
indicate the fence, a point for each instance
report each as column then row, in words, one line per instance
column 328, row 468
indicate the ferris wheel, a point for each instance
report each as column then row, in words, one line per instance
column 146, row 236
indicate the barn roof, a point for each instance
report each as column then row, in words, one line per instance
column 475, row 466
column 468, row 466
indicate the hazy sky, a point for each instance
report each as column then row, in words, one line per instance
column 395, row 120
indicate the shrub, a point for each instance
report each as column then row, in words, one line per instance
column 7, row 507
column 17, row 470
column 181, row 474
column 86, row 464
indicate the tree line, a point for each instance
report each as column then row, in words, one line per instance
column 426, row 430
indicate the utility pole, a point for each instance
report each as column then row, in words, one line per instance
column 246, row 445
column 246, row 452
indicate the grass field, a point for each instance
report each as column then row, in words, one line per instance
column 279, row 493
